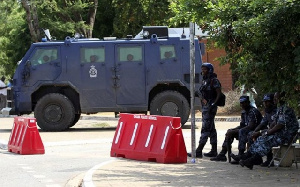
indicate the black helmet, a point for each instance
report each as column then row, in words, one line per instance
column 268, row 97
column 209, row 66
column 244, row 98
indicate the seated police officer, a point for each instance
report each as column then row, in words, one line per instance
column 250, row 119
column 282, row 131
column 267, row 120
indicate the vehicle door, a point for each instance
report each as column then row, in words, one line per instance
column 44, row 64
column 130, row 74
column 97, row 87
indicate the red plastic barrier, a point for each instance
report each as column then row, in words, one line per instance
column 149, row 138
column 25, row 138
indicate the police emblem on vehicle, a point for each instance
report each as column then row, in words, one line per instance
column 93, row 72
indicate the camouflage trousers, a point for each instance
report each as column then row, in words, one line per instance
column 208, row 129
column 250, row 139
column 264, row 144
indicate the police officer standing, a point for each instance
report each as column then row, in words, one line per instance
column 209, row 93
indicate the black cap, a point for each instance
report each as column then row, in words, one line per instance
column 244, row 98
column 268, row 97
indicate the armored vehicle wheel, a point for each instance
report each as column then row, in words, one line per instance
column 170, row 103
column 54, row 112
column 76, row 119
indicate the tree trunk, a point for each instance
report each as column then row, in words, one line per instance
column 92, row 16
column 32, row 20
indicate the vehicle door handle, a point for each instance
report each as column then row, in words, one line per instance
column 115, row 69
column 116, row 77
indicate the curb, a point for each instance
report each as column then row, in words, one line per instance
column 105, row 118
column 87, row 181
column 223, row 119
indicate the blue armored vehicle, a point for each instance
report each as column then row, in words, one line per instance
column 60, row 80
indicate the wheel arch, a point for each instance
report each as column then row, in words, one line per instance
column 66, row 90
column 169, row 87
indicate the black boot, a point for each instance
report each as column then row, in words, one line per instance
column 240, row 156
column 236, row 158
column 241, row 152
column 268, row 161
column 250, row 162
column 213, row 152
column 198, row 151
column 221, row 156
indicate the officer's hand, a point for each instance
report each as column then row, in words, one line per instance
column 255, row 135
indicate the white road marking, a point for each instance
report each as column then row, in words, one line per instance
column 88, row 178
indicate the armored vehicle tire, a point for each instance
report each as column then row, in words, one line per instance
column 54, row 112
column 76, row 119
column 170, row 103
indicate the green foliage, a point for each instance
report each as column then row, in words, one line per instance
column 128, row 17
column 65, row 17
column 14, row 41
column 104, row 24
column 261, row 39
column 131, row 15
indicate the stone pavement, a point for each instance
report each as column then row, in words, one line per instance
column 124, row 172
column 131, row 173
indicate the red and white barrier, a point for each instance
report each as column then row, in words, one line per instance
column 25, row 138
column 149, row 138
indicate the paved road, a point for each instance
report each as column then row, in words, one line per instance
column 67, row 155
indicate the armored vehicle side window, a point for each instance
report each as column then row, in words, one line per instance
column 132, row 54
column 90, row 55
column 167, row 51
column 42, row 56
